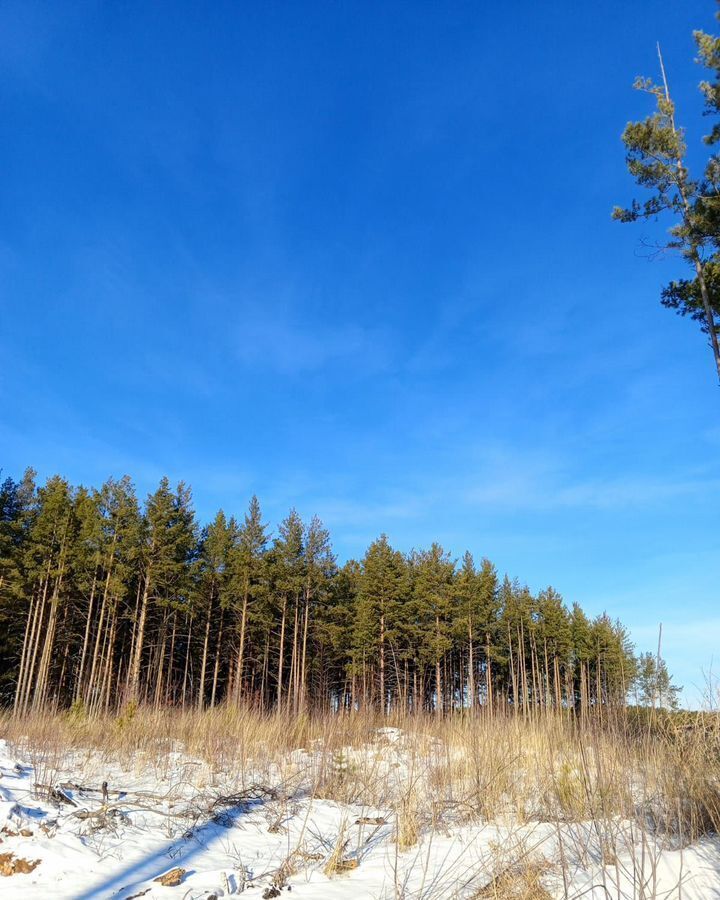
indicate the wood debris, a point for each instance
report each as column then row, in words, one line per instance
column 346, row 865
column 172, row 878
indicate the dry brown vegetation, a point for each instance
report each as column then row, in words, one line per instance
column 515, row 883
column 454, row 769
column 658, row 775
column 15, row 865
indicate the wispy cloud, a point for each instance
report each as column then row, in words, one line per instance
column 695, row 633
column 525, row 492
column 280, row 341
column 498, row 481
column 515, row 481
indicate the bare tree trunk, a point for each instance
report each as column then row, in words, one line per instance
column 512, row 674
column 548, row 689
column 265, row 676
column 382, row 658
column 471, row 666
column 216, row 667
column 170, row 677
column 40, row 606
column 281, row 655
column 488, row 675
column 438, row 674
column 44, row 666
column 522, row 669
column 293, row 686
column 88, row 620
column 66, row 652
column 203, row 665
column 160, row 665
column 101, row 624
column 557, row 682
column 135, row 617
column 239, row 674
column 109, row 663
column 187, row 661
column 303, row 672
column 134, row 675
column 32, row 613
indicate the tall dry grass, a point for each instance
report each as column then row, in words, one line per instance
column 663, row 771
column 624, row 777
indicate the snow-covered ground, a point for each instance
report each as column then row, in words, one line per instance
column 231, row 834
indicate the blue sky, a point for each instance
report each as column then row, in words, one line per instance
column 358, row 258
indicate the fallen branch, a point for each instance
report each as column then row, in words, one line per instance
column 55, row 794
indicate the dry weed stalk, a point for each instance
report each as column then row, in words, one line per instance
column 515, row 883
column 661, row 772
column 338, row 862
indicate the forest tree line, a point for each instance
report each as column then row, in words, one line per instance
column 105, row 601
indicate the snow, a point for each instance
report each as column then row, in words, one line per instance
column 160, row 817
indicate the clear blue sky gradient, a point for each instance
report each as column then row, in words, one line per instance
column 358, row 258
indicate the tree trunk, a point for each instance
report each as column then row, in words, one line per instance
column 216, row 667
column 134, row 679
column 203, row 665
column 25, row 650
column 45, row 659
column 241, row 649
column 86, row 639
column 281, row 656
column 187, row 662
column 382, row 660
column 709, row 317
column 293, row 686
column 693, row 250
column 471, row 667
column 303, row 669
column 109, row 664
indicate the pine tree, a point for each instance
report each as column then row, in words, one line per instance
column 554, row 643
column 211, row 597
column 612, row 670
column 433, row 600
column 46, row 563
column 516, row 624
column 170, row 540
column 121, row 551
column 654, row 685
column 383, row 586
column 656, row 158
column 249, row 583
column 578, row 680
column 476, row 624
column 16, row 511
column 335, row 632
column 288, row 576
column 320, row 569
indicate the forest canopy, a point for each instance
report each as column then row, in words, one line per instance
column 105, row 601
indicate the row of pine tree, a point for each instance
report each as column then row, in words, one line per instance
column 104, row 602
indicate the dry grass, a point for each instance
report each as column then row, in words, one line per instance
column 516, row 883
column 433, row 773
column 408, row 825
column 14, row 865
column 337, row 861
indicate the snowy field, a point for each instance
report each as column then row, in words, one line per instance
column 221, row 833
